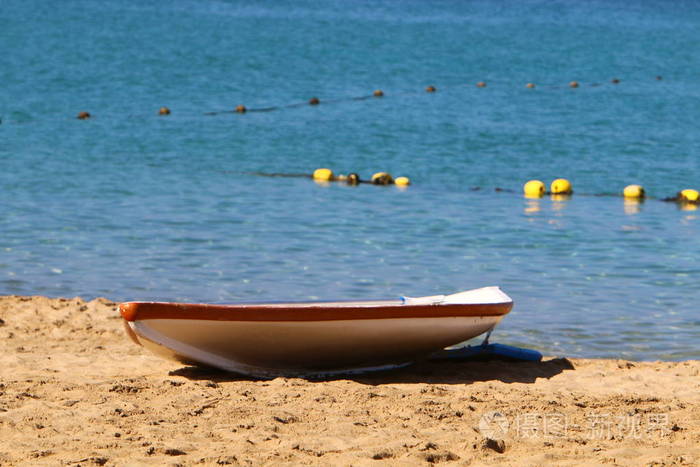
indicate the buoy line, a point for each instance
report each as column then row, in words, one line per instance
column 559, row 189
column 377, row 93
column 536, row 189
column 325, row 176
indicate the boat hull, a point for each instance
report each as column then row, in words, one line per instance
column 270, row 348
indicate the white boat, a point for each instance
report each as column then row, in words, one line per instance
column 313, row 338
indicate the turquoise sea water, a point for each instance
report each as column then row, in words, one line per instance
column 133, row 206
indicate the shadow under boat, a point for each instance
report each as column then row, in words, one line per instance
column 445, row 371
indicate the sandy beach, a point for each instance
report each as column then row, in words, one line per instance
column 74, row 390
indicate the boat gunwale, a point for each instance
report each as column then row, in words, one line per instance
column 308, row 311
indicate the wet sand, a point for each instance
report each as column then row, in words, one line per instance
column 74, row 390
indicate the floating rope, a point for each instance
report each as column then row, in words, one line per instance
column 314, row 101
column 561, row 189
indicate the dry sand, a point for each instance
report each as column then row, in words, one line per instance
column 74, row 390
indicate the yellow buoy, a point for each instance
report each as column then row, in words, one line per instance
column 352, row 179
column 430, row 89
column 402, row 181
column 164, row 111
column 530, row 85
column 378, row 93
column 323, row 175
column 634, row 191
column 83, row 115
column 241, row 109
column 561, row 186
column 689, row 196
column 573, row 84
column 533, row 189
column 382, row 178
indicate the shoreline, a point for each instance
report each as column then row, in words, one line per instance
column 75, row 390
